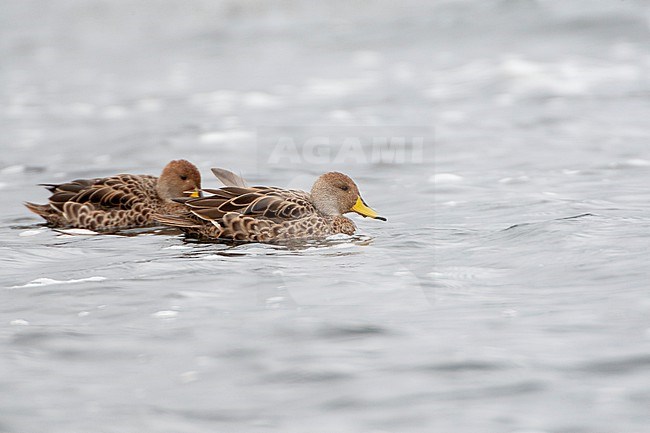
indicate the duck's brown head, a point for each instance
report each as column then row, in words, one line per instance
column 179, row 178
column 335, row 194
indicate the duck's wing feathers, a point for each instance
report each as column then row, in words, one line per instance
column 275, row 204
column 115, row 192
column 73, row 186
column 228, row 178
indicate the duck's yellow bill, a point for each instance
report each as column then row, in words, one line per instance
column 194, row 193
column 362, row 209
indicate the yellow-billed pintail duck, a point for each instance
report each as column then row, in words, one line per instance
column 271, row 214
column 119, row 202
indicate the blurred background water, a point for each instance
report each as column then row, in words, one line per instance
column 506, row 293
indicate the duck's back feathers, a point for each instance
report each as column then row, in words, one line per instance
column 118, row 192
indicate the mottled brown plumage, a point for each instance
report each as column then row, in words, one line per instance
column 270, row 214
column 119, row 202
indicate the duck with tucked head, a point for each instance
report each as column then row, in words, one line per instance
column 119, row 202
column 271, row 214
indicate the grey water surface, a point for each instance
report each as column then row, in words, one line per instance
column 507, row 292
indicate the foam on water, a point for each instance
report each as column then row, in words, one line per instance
column 227, row 137
column 39, row 282
column 165, row 314
column 66, row 233
column 31, row 232
column 439, row 178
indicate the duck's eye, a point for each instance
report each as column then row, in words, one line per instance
column 344, row 188
column 183, row 177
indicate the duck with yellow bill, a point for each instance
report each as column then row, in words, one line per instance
column 272, row 214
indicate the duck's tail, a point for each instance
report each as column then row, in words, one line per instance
column 42, row 210
column 176, row 221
